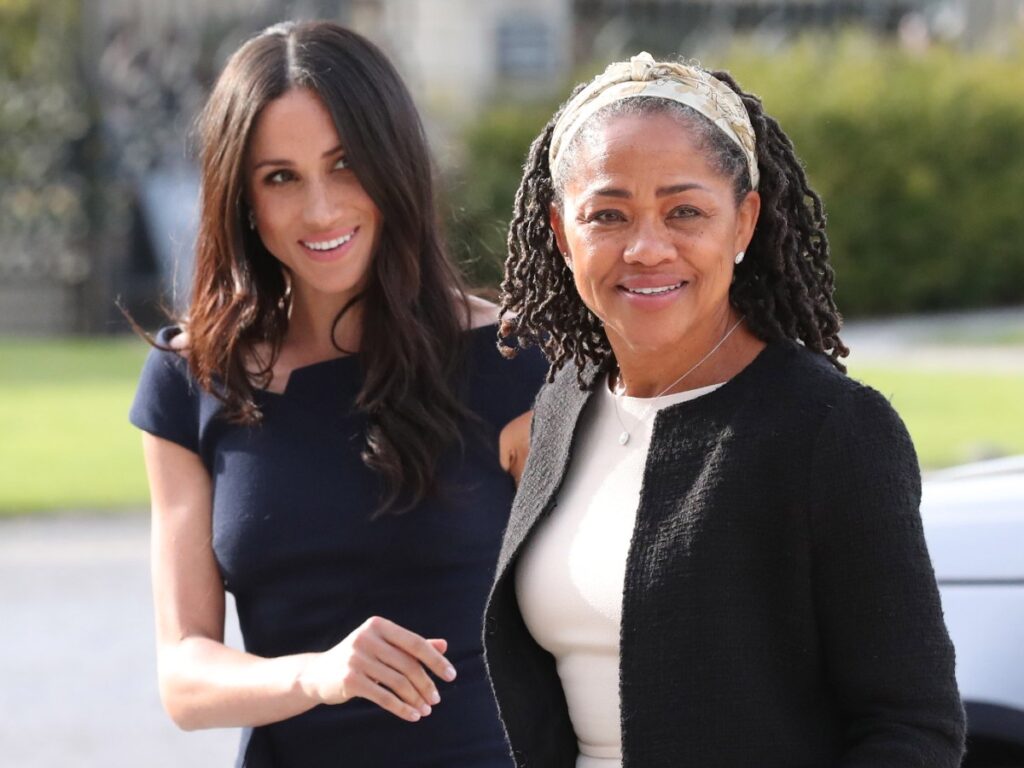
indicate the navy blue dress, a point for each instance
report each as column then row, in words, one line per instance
column 297, row 546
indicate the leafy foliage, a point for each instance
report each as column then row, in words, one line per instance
column 44, row 119
column 480, row 199
column 919, row 159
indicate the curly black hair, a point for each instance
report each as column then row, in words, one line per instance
column 784, row 287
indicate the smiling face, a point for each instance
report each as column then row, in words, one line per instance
column 651, row 230
column 311, row 212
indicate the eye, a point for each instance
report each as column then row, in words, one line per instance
column 684, row 212
column 342, row 164
column 607, row 216
column 279, row 177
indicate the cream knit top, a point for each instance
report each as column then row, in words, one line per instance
column 570, row 578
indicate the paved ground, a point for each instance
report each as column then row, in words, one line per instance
column 77, row 662
column 958, row 340
column 77, row 666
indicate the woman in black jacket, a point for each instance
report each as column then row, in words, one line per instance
column 715, row 557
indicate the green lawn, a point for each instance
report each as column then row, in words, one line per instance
column 954, row 416
column 65, row 440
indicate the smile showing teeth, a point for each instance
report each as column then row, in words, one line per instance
column 329, row 245
column 654, row 291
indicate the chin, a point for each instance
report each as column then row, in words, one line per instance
column 649, row 338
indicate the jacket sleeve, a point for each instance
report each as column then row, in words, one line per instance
column 888, row 654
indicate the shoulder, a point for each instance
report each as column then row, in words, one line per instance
column 165, row 359
column 485, row 349
column 167, row 397
column 855, row 437
column 796, row 398
column 563, row 396
column 798, row 379
column 500, row 388
column 487, row 356
column 481, row 311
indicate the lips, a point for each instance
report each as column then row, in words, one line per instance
column 330, row 244
column 651, row 285
column 654, row 291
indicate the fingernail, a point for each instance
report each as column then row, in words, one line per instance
column 449, row 673
column 435, row 698
column 414, row 716
column 425, row 710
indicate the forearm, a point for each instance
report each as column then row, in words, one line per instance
column 205, row 684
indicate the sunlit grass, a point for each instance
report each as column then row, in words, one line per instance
column 65, row 440
column 954, row 416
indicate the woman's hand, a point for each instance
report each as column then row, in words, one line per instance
column 206, row 684
column 514, row 445
column 383, row 663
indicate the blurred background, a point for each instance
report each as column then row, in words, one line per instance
column 909, row 115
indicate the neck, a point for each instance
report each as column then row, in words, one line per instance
column 691, row 363
column 312, row 333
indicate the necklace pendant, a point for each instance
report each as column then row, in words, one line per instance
column 624, row 437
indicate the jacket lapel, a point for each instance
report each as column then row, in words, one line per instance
column 555, row 422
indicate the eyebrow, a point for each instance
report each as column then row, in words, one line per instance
column 336, row 150
column 673, row 189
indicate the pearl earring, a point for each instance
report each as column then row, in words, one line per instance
column 252, row 220
column 739, row 256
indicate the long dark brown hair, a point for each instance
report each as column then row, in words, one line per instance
column 414, row 307
column 784, row 287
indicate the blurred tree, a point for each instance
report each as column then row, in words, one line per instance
column 479, row 195
column 918, row 156
column 44, row 124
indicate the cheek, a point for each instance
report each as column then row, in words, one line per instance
column 271, row 210
column 273, row 227
column 590, row 249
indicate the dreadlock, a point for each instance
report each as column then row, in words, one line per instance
column 784, row 287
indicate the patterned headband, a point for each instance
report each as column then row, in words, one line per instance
column 643, row 76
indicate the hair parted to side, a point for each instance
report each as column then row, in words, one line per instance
column 784, row 287
column 414, row 308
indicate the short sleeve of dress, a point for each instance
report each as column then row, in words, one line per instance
column 526, row 374
column 167, row 399
column 503, row 388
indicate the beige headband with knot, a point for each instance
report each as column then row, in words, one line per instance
column 643, row 76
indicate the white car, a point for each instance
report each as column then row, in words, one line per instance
column 974, row 524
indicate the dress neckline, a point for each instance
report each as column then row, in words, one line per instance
column 311, row 371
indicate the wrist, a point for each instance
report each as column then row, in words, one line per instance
column 304, row 681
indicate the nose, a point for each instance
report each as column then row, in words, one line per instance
column 321, row 209
column 649, row 245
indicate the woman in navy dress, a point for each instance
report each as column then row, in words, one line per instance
column 325, row 444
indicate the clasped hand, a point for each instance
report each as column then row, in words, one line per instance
column 383, row 663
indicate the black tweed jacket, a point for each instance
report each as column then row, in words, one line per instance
column 779, row 609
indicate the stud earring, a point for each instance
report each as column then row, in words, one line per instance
column 252, row 220
column 739, row 256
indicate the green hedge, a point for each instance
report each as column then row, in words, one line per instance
column 919, row 158
column 480, row 196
